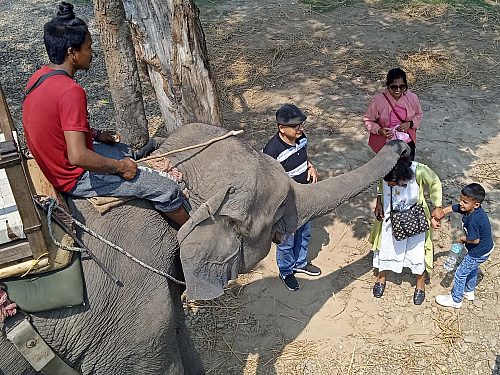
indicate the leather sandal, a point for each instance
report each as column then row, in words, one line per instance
column 378, row 289
column 418, row 296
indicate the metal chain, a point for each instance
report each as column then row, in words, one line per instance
column 52, row 204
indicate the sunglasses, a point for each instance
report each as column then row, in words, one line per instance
column 395, row 87
column 296, row 127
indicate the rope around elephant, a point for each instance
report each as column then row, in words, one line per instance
column 53, row 204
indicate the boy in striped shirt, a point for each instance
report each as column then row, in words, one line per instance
column 289, row 147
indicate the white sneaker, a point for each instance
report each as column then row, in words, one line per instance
column 469, row 295
column 447, row 301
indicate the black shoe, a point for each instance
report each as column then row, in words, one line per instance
column 418, row 296
column 290, row 282
column 308, row 269
column 378, row 289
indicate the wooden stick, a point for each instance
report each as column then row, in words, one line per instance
column 231, row 133
column 349, row 370
column 20, row 268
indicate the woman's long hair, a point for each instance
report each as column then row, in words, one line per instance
column 402, row 172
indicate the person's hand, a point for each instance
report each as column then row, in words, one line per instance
column 462, row 240
column 312, row 174
column 386, row 133
column 434, row 223
column 404, row 126
column 129, row 169
column 438, row 213
column 108, row 137
column 379, row 212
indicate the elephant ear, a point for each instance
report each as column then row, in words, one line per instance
column 210, row 248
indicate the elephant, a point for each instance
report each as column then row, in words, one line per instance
column 241, row 198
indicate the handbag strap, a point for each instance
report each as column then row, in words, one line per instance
column 390, row 212
column 395, row 112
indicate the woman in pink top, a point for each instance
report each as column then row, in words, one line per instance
column 393, row 114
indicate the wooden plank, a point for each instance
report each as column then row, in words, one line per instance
column 26, row 208
column 17, row 175
column 20, row 268
column 6, row 124
column 14, row 251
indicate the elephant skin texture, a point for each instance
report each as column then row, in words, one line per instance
column 241, row 198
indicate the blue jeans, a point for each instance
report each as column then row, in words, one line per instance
column 159, row 188
column 292, row 251
column 466, row 276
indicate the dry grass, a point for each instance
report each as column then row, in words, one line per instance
column 224, row 327
column 450, row 328
column 486, row 172
column 433, row 65
column 417, row 10
column 221, row 325
column 239, row 66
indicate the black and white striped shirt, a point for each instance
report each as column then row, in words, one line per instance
column 292, row 158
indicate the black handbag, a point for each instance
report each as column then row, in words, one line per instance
column 409, row 222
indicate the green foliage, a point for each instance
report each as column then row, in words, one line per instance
column 208, row 2
column 324, row 5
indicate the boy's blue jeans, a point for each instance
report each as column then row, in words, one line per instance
column 292, row 251
column 466, row 276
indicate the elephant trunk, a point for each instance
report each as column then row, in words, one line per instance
column 315, row 200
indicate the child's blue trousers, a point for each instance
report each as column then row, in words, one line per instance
column 466, row 276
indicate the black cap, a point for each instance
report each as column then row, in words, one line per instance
column 289, row 115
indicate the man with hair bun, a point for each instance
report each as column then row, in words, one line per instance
column 59, row 136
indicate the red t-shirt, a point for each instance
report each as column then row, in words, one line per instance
column 59, row 104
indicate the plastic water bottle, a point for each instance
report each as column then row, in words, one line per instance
column 452, row 259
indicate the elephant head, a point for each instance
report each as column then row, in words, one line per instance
column 243, row 198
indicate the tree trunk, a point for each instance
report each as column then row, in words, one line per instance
column 119, row 52
column 169, row 38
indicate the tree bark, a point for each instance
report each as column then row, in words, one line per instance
column 168, row 36
column 119, row 52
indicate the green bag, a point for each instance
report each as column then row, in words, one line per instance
column 48, row 291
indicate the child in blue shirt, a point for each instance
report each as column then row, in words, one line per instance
column 478, row 241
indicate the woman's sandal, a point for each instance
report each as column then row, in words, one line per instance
column 378, row 289
column 418, row 296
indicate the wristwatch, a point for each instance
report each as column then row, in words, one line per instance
column 411, row 124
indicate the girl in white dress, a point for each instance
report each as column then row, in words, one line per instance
column 406, row 180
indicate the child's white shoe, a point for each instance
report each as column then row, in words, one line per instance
column 469, row 295
column 447, row 301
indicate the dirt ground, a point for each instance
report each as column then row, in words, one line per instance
column 265, row 53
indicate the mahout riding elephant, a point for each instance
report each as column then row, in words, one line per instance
column 241, row 197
